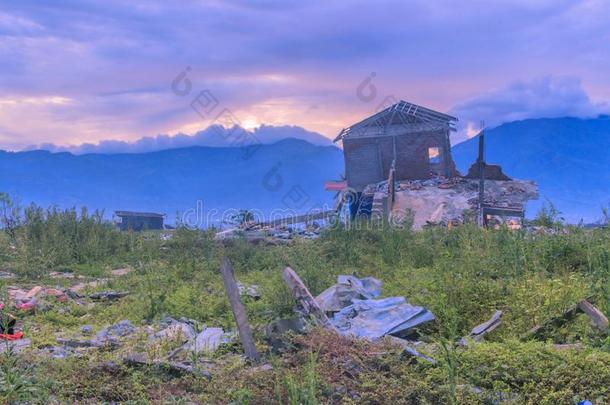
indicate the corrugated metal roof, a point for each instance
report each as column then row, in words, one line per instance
column 138, row 214
column 403, row 113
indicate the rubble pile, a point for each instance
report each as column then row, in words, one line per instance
column 270, row 235
column 441, row 201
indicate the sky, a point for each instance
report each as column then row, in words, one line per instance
column 77, row 72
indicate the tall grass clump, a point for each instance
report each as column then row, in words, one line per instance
column 38, row 239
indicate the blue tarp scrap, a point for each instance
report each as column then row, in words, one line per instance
column 373, row 318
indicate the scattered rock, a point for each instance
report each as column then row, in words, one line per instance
column 57, row 274
column 249, row 290
column 174, row 329
column 207, row 341
column 91, row 284
column 6, row 275
column 33, row 292
column 120, row 272
column 17, row 346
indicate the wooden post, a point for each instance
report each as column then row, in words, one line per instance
column 304, row 298
column 481, row 166
column 241, row 318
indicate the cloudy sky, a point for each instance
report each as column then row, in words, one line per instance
column 84, row 71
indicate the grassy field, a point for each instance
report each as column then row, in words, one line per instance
column 462, row 275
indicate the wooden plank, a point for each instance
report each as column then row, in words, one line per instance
column 239, row 311
column 481, row 330
column 596, row 316
column 306, row 301
column 503, row 211
column 557, row 321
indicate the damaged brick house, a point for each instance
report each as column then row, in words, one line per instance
column 414, row 137
column 400, row 159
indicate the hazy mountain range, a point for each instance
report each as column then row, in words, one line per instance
column 568, row 157
column 288, row 174
column 215, row 136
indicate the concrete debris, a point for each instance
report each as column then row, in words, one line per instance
column 89, row 284
column 176, row 329
column 6, row 275
column 107, row 337
column 17, row 346
column 207, row 341
column 120, row 272
column 440, row 201
column 372, row 319
column 108, row 295
column 271, row 235
column 249, row 290
column 57, row 274
column 347, row 289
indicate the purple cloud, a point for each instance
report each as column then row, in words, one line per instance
column 275, row 62
column 543, row 97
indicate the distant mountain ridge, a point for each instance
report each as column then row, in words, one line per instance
column 288, row 174
column 569, row 158
column 213, row 136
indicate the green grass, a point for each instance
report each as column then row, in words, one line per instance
column 463, row 275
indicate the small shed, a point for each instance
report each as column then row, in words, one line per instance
column 416, row 138
column 138, row 221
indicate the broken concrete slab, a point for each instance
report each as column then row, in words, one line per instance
column 440, row 201
column 174, row 329
column 17, row 346
column 207, row 341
